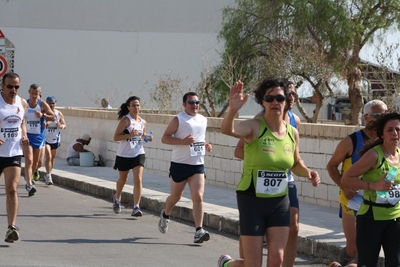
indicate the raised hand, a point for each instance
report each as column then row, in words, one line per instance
column 236, row 97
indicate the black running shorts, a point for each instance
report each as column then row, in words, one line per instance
column 126, row 164
column 258, row 214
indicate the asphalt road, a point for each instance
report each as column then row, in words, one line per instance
column 60, row 227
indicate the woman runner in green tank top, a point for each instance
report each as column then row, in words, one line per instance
column 271, row 149
column 378, row 220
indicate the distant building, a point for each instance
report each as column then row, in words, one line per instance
column 81, row 49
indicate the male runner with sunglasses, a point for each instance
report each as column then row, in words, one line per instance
column 186, row 133
column 12, row 138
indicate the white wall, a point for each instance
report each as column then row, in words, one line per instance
column 76, row 46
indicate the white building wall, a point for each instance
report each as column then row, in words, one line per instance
column 77, row 46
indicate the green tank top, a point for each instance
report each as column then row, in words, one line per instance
column 382, row 167
column 266, row 163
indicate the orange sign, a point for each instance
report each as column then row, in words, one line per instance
column 3, row 66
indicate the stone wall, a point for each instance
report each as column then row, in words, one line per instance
column 317, row 143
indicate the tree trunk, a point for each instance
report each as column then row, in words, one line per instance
column 302, row 111
column 355, row 95
column 318, row 107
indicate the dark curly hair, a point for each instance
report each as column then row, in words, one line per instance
column 379, row 126
column 268, row 83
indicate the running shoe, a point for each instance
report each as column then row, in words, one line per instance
column 335, row 264
column 12, row 234
column 163, row 223
column 224, row 259
column 136, row 212
column 48, row 179
column 31, row 190
column 36, row 175
column 116, row 205
column 201, row 236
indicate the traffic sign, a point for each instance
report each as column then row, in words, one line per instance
column 3, row 66
column 2, row 34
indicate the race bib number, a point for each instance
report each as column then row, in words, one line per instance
column 33, row 126
column 392, row 197
column 135, row 142
column 51, row 130
column 197, row 149
column 9, row 134
column 271, row 182
column 394, row 194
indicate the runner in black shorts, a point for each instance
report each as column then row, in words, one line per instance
column 271, row 149
column 186, row 133
column 130, row 132
column 13, row 138
column 291, row 246
column 53, row 137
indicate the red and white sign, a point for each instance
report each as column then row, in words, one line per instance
column 2, row 34
column 3, row 66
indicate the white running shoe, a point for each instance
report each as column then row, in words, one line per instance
column 48, row 179
column 201, row 235
column 163, row 223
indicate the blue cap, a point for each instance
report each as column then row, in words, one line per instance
column 51, row 98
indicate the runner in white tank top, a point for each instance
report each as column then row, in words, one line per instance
column 53, row 138
column 186, row 133
column 12, row 138
column 130, row 132
column 37, row 112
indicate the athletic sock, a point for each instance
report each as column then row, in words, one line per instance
column 165, row 215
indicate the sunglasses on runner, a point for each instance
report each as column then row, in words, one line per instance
column 192, row 102
column 9, row 86
column 271, row 98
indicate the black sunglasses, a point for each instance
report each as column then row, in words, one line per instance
column 192, row 102
column 9, row 86
column 294, row 94
column 271, row 98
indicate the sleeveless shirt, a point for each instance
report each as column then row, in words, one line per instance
column 11, row 116
column 52, row 132
column 266, row 163
column 196, row 126
column 383, row 167
column 132, row 147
